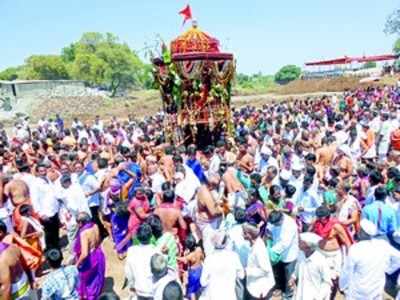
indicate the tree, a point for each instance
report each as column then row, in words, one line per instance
column 145, row 77
column 392, row 25
column 287, row 73
column 45, row 67
column 68, row 54
column 9, row 74
column 369, row 65
column 396, row 47
column 101, row 60
column 88, row 67
column 396, row 65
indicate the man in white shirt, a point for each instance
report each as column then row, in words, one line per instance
column 260, row 278
column 74, row 201
column 375, row 122
column 98, row 124
column 162, row 275
column 42, row 124
column 186, row 183
column 82, row 134
column 138, row 265
column 47, row 207
column 215, row 162
column 265, row 160
column 76, row 123
column 307, row 202
column 363, row 273
column 383, row 136
column 340, row 135
column 312, row 271
column 285, row 243
column 91, row 188
column 155, row 175
column 221, row 269
column 237, row 241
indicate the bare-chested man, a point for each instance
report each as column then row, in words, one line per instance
column 235, row 190
column 334, row 237
column 14, row 279
column 171, row 217
column 208, row 216
column 167, row 164
column 343, row 162
column 324, row 157
column 17, row 191
column 245, row 159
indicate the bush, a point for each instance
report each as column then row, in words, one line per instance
column 287, row 73
column 256, row 83
column 9, row 74
column 369, row 65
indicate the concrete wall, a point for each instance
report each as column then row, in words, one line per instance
column 20, row 96
column 6, row 90
column 42, row 88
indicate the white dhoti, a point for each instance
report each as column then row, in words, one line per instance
column 237, row 199
column 371, row 153
column 334, row 260
column 208, row 229
column 383, row 150
column 189, row 210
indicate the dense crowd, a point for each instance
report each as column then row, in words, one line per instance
column 301, row 202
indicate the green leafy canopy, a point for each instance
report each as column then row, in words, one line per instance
column 100, row 60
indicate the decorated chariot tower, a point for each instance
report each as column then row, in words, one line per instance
column 195, row 80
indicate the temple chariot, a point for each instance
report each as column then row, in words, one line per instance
column 195, row 81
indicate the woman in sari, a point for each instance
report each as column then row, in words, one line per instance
column 139, row 209
column 118, row 215
column 255, row 211
column 90, row 259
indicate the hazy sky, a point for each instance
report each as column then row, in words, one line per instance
column 263, row 34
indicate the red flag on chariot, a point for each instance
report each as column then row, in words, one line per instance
column 186, row 13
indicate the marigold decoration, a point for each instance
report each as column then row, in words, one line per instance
column 195, row 78
column 194, row 40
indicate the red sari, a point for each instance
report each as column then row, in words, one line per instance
column 325, row 230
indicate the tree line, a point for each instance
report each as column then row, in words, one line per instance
column 100, row 60
column 103, row 61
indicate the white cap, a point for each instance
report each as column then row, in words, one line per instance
column 297, row 166
column 368, row 227
column 285, row 174
column 265, row 150
column 310, row 238
column 219, row 239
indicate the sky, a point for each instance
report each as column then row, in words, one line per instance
column 264, row 35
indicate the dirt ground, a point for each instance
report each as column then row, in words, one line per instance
column 115, row 277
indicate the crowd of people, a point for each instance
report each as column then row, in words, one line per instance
column 301, row 202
